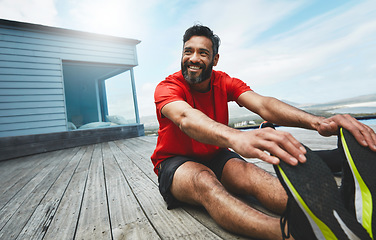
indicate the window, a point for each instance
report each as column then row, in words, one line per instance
column 98, row 95
column 120, row 101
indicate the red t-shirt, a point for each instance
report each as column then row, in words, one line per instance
column 171, row 140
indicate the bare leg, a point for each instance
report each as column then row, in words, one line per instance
column 196, row 184
column 245, row 178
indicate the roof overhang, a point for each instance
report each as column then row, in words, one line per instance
column 63, row 31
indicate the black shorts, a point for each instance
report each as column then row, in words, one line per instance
column 168, row 168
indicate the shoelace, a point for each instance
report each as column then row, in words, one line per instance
column 284, row 220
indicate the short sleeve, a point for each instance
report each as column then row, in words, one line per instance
column 235, row 87
column 167, row 92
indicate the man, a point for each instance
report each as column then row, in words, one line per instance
column 192, row 159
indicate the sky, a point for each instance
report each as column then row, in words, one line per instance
column 299, row 51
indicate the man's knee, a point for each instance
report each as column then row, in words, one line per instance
column 205, row 181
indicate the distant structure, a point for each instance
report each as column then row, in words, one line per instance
column 54, row 85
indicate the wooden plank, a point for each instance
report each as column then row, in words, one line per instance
column 40, row 221
column 44, row 117
column 150, row 139
column 30, row 85
column 15, row 98
column 147, row 194
column 58, row 48
column 143, row 147
column 81, row 134
column 20, row 152
column 29, row 59
column 51, row 41
column 25, row 78
column 312, row 138
column 11, row 168
column 29, row 65
column 94, row 222
column 32, row 72
column 11, row 147
column 18, row 112
column 21, row 92
column 32, row 125
column 141, row 150
column 15, row 180
column 15, row 214
column 142, row 163
column 60, row 34
column 64, row 223
column 131, row 61
column 66, row 54
column 127, row 219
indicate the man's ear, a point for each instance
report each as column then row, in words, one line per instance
column 216, row 59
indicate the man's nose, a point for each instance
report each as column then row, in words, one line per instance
column 195, row 58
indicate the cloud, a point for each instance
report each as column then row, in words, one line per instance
column 124, row 18
column 313, row 55
column 145, row 98
column 33, row 11
column 325, row 45
column 236, row 22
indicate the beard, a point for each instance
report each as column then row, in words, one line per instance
column 194, row 78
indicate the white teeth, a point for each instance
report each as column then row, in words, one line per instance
column 194, row 67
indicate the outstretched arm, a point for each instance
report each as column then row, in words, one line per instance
column 250, row 144
column 283, row 114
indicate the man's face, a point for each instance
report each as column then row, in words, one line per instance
column 198, row 60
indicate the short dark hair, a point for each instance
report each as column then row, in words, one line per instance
column 200, row 30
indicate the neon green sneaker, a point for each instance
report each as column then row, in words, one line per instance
column 313, row 191
column 359, row 181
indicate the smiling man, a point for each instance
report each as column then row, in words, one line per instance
column 195, row 71
column 192, row 157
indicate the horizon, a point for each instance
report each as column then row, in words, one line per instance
column 305, row 52
column 344, row 101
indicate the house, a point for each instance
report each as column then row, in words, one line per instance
column 61, row 88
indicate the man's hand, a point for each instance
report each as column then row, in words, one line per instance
column 249, row 144
column 362, row 133
column 281, row 145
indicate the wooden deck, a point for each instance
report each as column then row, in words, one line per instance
column 102, row 191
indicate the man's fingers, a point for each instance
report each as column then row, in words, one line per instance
column 362, row 133
column 267, row 157
column 270, row 146
column 369, row 137
column 284, row 146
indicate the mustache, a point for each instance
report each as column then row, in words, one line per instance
column 201, row 65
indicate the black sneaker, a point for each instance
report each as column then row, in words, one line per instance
column 315, row 208
column 296, row 222
column 359, row 181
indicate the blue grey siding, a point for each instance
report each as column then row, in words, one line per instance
column 31, row 76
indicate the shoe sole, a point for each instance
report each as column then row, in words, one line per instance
column 362, row 163
column 315, row 191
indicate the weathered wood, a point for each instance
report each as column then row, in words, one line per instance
column 140, row 150
column 94, row 220
column 13, row 171
column 140, row 161
column 40, row 221
column 105, row 191
column 13, row 147
column 15, row 198
column 64, row 223
column 154, row 207
column 20, row 217
column 127, row 218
